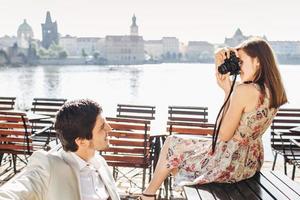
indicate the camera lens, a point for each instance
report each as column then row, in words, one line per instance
column 230, row 64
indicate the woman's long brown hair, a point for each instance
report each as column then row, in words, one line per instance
column 267, row 74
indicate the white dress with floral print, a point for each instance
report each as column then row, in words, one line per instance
column 237, row 159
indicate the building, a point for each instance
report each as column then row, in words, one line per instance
column 170, row 48
column 75, row 46
column 200, row 51
column 7, row 41
column 153, row 49
column 24, row 35
column 69, row 44
column 236, row 39
column 49, row 32
column 287, row 52
column 90, row 45
column 125, row 49
column 286, row 47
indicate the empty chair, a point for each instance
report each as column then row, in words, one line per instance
column 47, row 107
column 285, row 119
column 129, row 147
column 295, row 158
column 7, row 103
column 16, row 136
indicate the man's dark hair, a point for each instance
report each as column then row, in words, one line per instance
column 76, row 119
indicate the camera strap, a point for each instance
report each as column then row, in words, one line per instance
column 218, row 125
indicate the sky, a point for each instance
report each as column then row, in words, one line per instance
column 201, row 20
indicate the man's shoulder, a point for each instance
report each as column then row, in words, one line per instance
column 100, row 158
column 43, row 157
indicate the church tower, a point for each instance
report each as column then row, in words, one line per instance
column 25, row 35
column 134, row 29
column 49, row 32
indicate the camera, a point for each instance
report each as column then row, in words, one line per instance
column 231, row 65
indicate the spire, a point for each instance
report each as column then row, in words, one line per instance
column 134, row 29
column 133, row 20
column 24, row 21
column 238, row 32
column 48, row 18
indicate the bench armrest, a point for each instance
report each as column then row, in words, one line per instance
column 278, row 133
column 46, row 128
column 293, row 141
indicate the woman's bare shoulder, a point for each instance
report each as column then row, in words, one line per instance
column 249, row 89
column 247, row 95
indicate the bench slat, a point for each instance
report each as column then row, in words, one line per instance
column 233, row 192
column 279, row 185
column 270, row 184
column 192, row 193
column 219, row 192
column 244, row 189
column 259, row 190
column 205, row 193
column 287, row 181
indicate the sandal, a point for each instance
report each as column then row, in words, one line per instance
column 147, row 195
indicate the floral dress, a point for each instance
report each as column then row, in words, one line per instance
column 237, row 159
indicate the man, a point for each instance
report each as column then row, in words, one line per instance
column 76, row 172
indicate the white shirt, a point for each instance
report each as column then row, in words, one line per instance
column 91, row 184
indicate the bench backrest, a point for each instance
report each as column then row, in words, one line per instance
column 15, row 133
column 145, row 112
column 285, row 119
column 188, row 120
column 7, row 103
column 129, row 143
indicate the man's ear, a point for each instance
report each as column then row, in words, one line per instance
column 81, row 142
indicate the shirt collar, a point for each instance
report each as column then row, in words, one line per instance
column 81, row 163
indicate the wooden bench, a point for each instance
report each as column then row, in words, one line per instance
column 264, row 185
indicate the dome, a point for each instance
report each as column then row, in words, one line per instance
column 25, row 28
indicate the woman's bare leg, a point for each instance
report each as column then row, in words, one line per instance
column 161, row 172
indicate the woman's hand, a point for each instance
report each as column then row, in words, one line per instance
column 223, row 80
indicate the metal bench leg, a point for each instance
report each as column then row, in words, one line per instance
column 144, row 177
column 274, row 162
column 294, row 170
column 285, row 166
column 115, row 173
column 14, row 159
column 1, row 157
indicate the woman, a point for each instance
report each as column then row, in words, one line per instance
column 238, row 153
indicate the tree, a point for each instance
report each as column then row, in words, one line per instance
column 83, row 53
column 42, row 52
column 168, row 55
column 174, row 56
column 179, row 56
column 96, row 55
column 62, row 55
column 3, row 55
